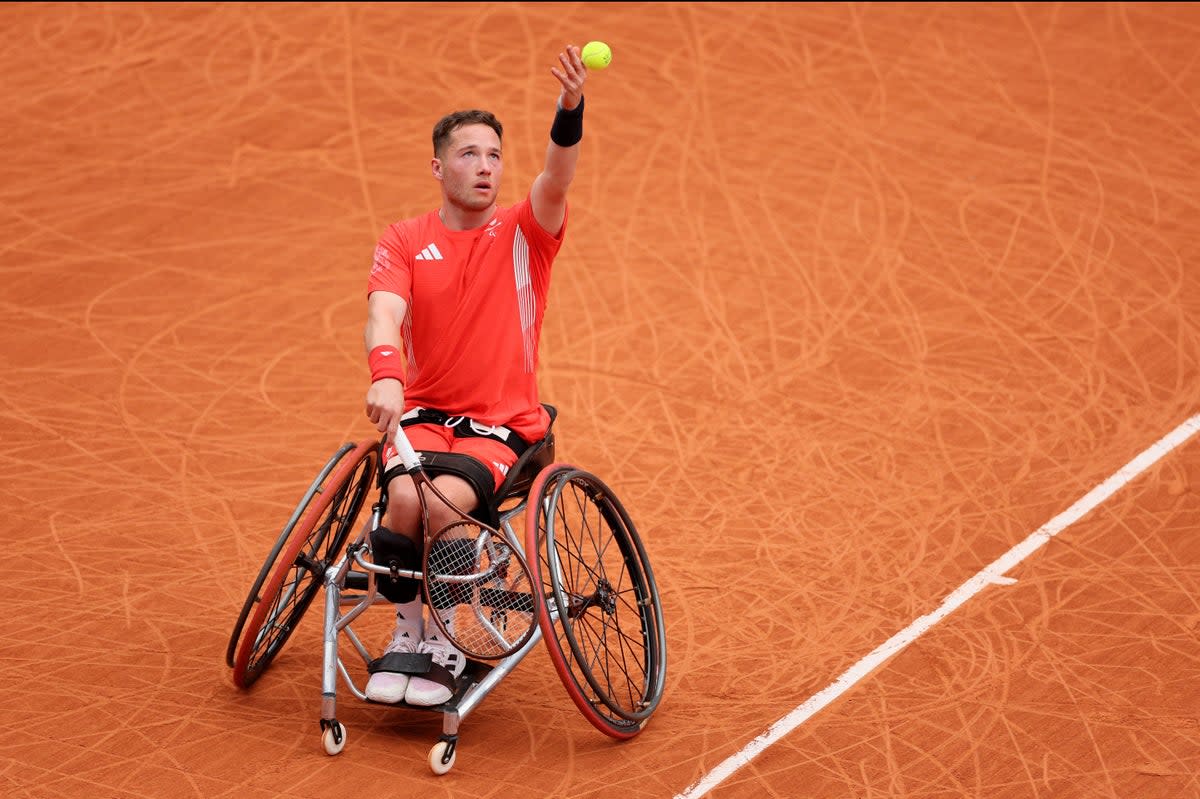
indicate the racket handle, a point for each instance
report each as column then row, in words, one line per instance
column 412, row 461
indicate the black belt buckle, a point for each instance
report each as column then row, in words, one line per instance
column 432, row 416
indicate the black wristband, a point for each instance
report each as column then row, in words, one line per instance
column 567, row 129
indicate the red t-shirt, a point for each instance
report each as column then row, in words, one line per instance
column 476, row 299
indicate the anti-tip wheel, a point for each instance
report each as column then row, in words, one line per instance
column 333, row 738
column 439, row 761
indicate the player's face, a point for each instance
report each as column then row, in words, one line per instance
column 470, row 168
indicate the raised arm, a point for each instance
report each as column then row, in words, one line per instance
column 385, row 397
column 548, row 195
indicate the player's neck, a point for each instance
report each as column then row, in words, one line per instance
column 455, row 218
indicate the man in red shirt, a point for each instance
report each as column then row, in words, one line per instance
column 461, row 292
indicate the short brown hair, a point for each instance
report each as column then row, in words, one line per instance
column 446, row 126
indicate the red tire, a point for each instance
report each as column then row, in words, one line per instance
column 598, row 606
column 295, row 569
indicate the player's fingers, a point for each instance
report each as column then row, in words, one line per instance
column 572, row 84
column 572, row 63
column 569, row 85
column 577, row 59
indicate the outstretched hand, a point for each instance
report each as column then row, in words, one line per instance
column 572, row 76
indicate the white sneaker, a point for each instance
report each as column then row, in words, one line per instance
column 440, row 685
column 389, row 686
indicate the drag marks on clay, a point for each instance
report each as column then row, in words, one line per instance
column 994, row 574
column 847, row 307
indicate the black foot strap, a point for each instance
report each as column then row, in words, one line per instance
column 405, row 663
column 442, row 676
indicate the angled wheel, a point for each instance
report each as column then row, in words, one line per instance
column 269, row 565
column 599, row 608
column 295, row 568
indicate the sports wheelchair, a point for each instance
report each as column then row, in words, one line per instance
column 590, row 592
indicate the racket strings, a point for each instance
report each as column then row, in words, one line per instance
column 480, row 589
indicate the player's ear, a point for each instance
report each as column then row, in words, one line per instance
column 436, row 166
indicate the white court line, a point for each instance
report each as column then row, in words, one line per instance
column 991, row 575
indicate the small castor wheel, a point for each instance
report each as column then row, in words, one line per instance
column 333, row 736
column 442, row 755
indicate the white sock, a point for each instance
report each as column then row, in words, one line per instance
column 409, row 619
column 447, row 617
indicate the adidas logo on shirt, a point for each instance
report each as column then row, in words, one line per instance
column 430, row 253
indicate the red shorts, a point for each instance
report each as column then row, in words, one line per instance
column 495, row 455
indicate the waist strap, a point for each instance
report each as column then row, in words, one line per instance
column 465, row 427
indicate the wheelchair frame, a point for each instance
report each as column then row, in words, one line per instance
column 587, row 581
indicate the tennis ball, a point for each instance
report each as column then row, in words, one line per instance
column 596, row 55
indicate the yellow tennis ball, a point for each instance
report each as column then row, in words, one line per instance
column 596, row 55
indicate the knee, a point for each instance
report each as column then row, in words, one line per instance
column 440, row 516
column 403, row 512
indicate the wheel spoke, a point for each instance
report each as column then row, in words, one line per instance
column 606, row 637
column 294, row 570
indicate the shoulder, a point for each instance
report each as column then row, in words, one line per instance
column 407, row 226
column 514, row 211
column 521, row 213
column 523, row 216
column 400, row 235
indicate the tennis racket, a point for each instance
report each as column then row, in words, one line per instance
column 475, row 578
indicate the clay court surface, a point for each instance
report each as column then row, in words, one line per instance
column 853, row 300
